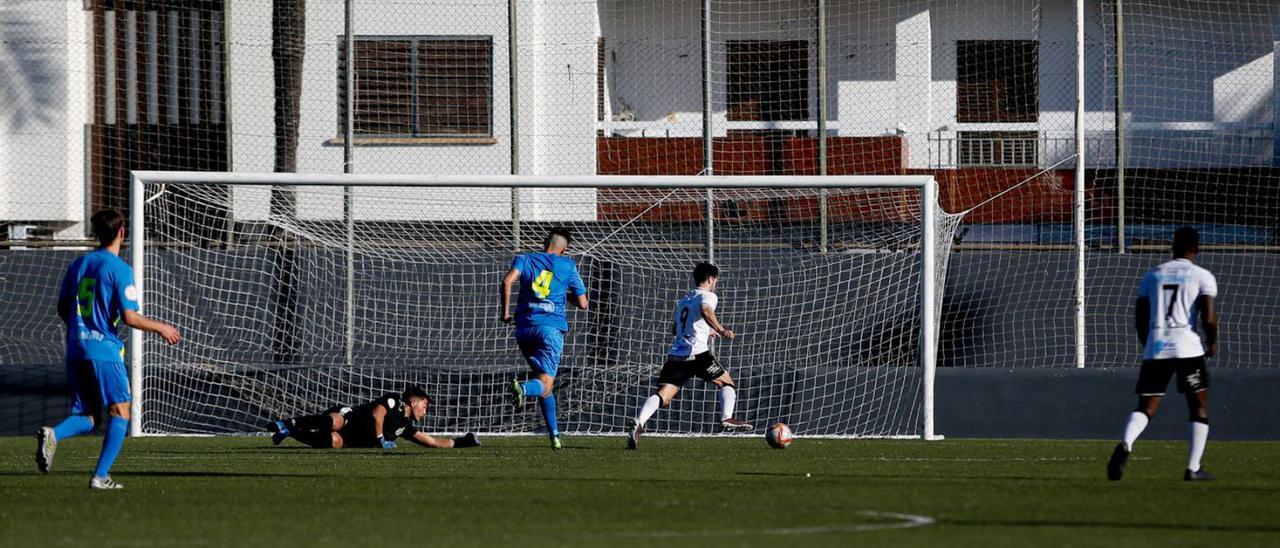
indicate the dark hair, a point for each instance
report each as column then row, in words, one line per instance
column 704, row 271
column 557, row 231
column 106, row 225
column 1186, row 240
column 414, row 391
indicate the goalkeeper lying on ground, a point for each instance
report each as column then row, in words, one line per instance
column 374, row 424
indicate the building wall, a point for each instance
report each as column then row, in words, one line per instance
column 556, row 124
column 1200, row 80
column 1200, row 89
column 44, row 79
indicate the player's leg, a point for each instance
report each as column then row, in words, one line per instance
column 86, row 405
column 728, row 393
column 332, row 420
column 710, row 370
column 1153, row 379
column 1193, row 381
column 668, row 387
column 674, row 373
column 534, row 346
column 542, row 346
column 113, row 381
column 320, row 439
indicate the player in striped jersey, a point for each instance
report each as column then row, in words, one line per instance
column 1171, row 298
column 695, row 322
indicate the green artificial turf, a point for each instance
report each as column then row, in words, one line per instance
column 673, row 492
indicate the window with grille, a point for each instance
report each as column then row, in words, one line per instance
column 997, row 81
column 420, row 86
column 998, row 148
column 768, row 81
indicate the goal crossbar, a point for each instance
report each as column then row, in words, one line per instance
column 535, row 181
column 925, row 184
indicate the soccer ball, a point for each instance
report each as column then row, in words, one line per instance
column 778, row 435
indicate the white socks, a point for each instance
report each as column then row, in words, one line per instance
column 1137, row 423
column 728, row 398
column 1199, row 435
column 651, row 406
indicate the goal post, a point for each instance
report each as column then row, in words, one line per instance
column 838, row 339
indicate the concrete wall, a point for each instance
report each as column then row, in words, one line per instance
column 1005, row 349
column 1093, row 404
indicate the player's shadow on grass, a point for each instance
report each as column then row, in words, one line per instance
column 1109, row 525
column 949, row 478
column 210, row 474
column 908, row 477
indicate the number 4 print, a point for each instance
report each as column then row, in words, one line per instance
column 542, row 284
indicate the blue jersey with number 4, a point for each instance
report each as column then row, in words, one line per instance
column 545, row 278
column 99, row 286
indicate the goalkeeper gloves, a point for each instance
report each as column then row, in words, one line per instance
column 466, row 441
column 386, row 443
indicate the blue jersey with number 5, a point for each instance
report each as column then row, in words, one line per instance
column 545, row 278
column 99, row 286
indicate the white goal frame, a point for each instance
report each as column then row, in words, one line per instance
column 925, row 184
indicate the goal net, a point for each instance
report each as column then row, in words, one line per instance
column 288, row 308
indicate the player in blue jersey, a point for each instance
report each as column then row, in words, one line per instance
column 545, row 279
column 97, row 293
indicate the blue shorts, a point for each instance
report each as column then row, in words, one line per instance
column 541, row 346
column 96, row 384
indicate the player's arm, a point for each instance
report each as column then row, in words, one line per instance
column 579, row 290
column 1142, row 319
column 137, row 321
column 64, row 308
column 709, row 315
column 1209, row 321
column 126, row 301
column 380, row 416
column 504, row 291
column 463, row 442
column 66, row 298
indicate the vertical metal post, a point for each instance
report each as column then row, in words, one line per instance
column 137, row 235
column 1120, row 139
column 1079, row 187
column 928, row 303
column 513, row 60
column 348, row 166
column 708, row 136
column 227, row 41
column 822, row 121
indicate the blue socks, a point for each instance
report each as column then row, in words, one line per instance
column 532, row 388
column 72, row 426
column 117, row 428
column 549, row 415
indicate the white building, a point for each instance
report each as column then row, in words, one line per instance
column 954, row 82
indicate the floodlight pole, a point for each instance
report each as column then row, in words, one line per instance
column 708, row 135
column 513, row 78
column 1119, row 112
column 822, row 121
column 348, row 167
